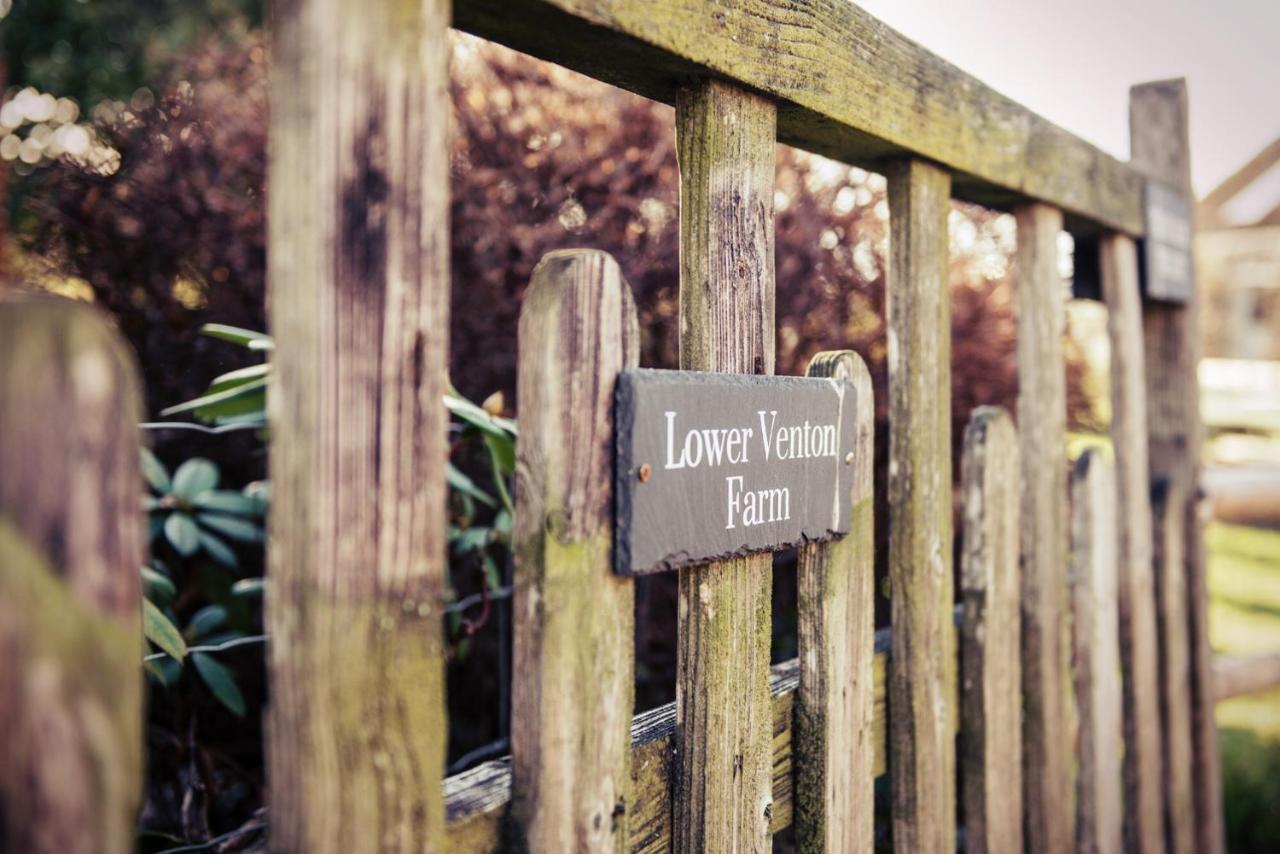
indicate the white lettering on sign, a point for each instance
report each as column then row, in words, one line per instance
column 721, row 446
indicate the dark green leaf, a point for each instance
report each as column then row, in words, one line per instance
column 503, row 452
column 161, row 631
column 220, row 681
column 153, row 471
column 468, row 412
column 193, row 477
column 207, row 619
column 181, row 531
column 461, row 483
column 232, row 526
column 248, row 587
column 157, row 586
column 472, row 539
column 164, row 670
column 247, row 399
column 234, row 334
column 238, row 377
column 227, row 501
column 218, row 550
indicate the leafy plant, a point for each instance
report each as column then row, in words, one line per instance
column 479, row 530
column 193, row 515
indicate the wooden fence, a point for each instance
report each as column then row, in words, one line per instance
column 1082, row 620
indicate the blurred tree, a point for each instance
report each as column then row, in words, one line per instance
column 92, row 51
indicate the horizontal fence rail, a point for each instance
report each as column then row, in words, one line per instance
column 846, row 85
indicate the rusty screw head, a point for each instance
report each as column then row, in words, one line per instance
column 645, row 472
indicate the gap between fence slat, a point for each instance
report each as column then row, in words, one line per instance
column 574, row 619
column 922, row 750
column 1144, row 813
column 834, row 802
column 990, row 661
column 1096, row 653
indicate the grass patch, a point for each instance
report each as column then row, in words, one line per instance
column 1244, row 619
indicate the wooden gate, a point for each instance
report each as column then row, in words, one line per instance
column 1082, row 619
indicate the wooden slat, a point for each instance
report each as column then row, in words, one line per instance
column 834, row 708
column 847, row 86
column 574, row 676
column 990, row 637
column 1173, row 625
column 1096, row 652
column 477, row 799
column 725, row 145
column 1042, row 432
column 1158, row 134
column 359, row 309
column 1144, row 826
column 1234, row 676
column 922, row 751
column 71, row 542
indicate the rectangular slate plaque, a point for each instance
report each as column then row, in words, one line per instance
column 1166, row 257
column 718, row 465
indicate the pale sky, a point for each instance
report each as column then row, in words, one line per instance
column 1072, row 61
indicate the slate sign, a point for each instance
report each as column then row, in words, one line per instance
column 1167, row 270
column 719, row 465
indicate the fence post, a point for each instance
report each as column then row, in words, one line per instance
column 1159, row 147
column 71, row 543
column 990, row 642
column 1096, row 651
column 1042, row 429
column 1144, row 812
column 923, row 669
column 1173, row 624
column 725, row 139
column 574, row 681
column 834, row 707
column 358, row 267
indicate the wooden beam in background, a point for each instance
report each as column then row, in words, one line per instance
column 846, row 85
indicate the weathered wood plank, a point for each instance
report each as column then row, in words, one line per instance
column 1173, row 625
column 990, row 636
column 1042, row 435
column 725, row 140
column 1096, row 653
column 477, row 799
column 1144, row 815
column 834, row 802
column 359, row 308
column 922, row 751
column 1234, row 676
column 847, row 86
column 574, row 677
column 1159, row 148
column 71, row 747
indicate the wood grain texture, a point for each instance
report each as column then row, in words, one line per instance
column 834, row 802
column 847, row 86
column 1139, row 658
column 922, row 751
column 1159, row 148
column 71, row 542
column 725, row 140
column 358, row 268
column 477, row 800
column 1173, row 624
column 574, row 677
column 990, row 637
column 1096, row 655
column 1042, row 435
